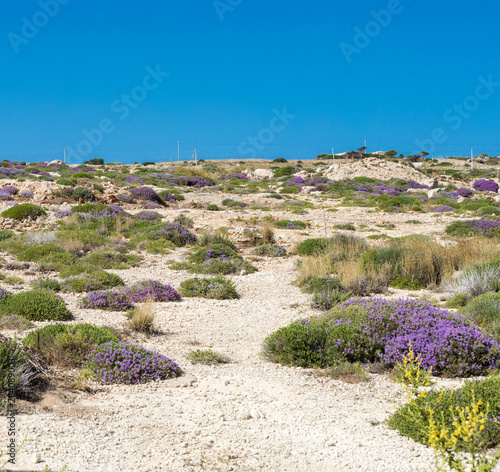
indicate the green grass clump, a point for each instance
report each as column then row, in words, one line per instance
column 213, row 207
column 67, row 345
column 215, row 251
column 312, row 246
column 207, row 357
column 219, row 288
column 458, row 300
column 283, row 172
column 47, row 284
column 346, row 227
column 23, row 211
column 270, row 250
column 89, row 208
column 412, row 419
column 66, row 182
column 406, row 283
column 36, row 305
column 6, row 234
column 233, row 203
column 209, row 239
column 111, row 260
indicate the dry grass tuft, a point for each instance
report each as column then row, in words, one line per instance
column 142, row 318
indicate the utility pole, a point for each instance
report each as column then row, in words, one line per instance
column 65, row 155
column 178, row 151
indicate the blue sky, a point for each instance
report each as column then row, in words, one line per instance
column 247, row 78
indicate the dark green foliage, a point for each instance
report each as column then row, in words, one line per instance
column 89, row 207
column 184, row 221
column 458, row 300
column 83, row 175
column 57, row 260
column 328, row 297
column 66, row 182
column 459, row 228
column 280, row 160
column 218, row 250
column 111, row 260
column 488, row 210
column 35, row 253
column 67, row 345
column 213, row 207
column 96, row 161
column 345, row 227
column 76, row 269
column 412, row 419
column 23, row 211
column 209, row 239
column 317, row 285
column 375, row 259
column 312, row 246
column 36, row 305
column 220, row 288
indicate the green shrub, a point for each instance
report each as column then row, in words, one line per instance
column 458, row 300
column 6, row 234
column 23, row 211
column 160, row 246
column 302, row 345
column 405, row 283
column 319, row 284
column 57, row 261
column 459, row 228
column 224, row 267
column 83, row 175
column 184, row 221
column 213, row 251
column 111, row 260
column 270, row 250
column 207, row 357
column 312, row 246
column 84, row 194
column 233, row 203
column 76, row 269
column 95, row 280
column 67, row 345
column 90, row 208
column 346, row 227
column 484, row 311
column 283, row 172
column 290, row 190
column 35, row 253
column 47, row 284
column 488, row 210
column 412, row 419
column 213, row 207
column 66, row 182
column 36, row 305
column 209, row 239
column 219, row 288
column 327, row 297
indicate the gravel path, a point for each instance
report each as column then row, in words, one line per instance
column 249, row 415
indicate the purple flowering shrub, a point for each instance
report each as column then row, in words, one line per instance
column 125, row 198
column 26, row 195
column 174, row 232
column 148, row 216
column 216, row 251
column 121, row 363
column 484, row 185
column 465, row 192
column 271, row 250
column 10, row 189
column 15, row 322
column 5, row 196
column 471, row 227
column 379, row 331
column 122, row 299
column 287, row 224
column 146, row 193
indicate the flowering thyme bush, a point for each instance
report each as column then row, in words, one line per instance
column 470, row 227
column 122, row 299
column 378, row 331
column 121, row 363
column 26, row 195
column 148, row 216
column 465, row 192
column 147, row 193
column 174, row 232
column 484, row 185
column 287, row 224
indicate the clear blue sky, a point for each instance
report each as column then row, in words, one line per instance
column 249, row 78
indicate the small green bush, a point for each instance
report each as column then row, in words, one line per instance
column 213, row 207
column 270, row 250
column 84, row 194
column 312, row 246
column 35, row 253
column 458, row 300
column 219, row 288
column 23, row 211
column 6, row 234
column 209, row 239
column 207, row 357
column 405, row 283
column 95, row 280
column 328, row 297
column 111, row 260
column 66, row 182
column 412, row 419
column 484, row 311
column 288, row 224
column 68, row 345
column 233, row 203
column 283, row 172
column 47, row 284
column 184, row 221
column 36, row 305
column 213, row 251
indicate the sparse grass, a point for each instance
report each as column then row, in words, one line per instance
column 352, row 373
column 220, row 288
column 142, row 318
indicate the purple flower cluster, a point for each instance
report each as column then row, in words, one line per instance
column 122, row 299
column 382, row 330
column 414, row 184
column 443, row 209
column 62, row 214
column 125, row 198
column 465, row 192
column 146, row 193
column 233, row 176
column 133, row 180
column 381, row 190
column 4, row 294
column 10, row 189
column 174, row 232
column 15, row 322
column 5, row 196
column 483, row 226
column 121, row 363
column 484, row 185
